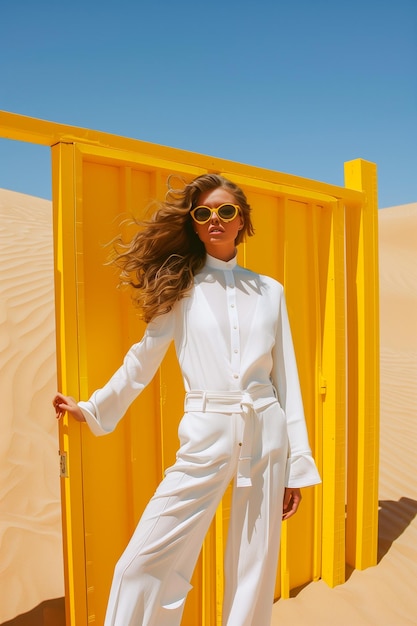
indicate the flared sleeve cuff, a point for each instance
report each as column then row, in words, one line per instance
column 302, row 472
column 93, row 422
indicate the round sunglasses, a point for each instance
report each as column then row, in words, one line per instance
column 226, row 212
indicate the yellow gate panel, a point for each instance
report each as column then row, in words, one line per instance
column 120, row 472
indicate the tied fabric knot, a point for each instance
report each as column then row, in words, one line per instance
column 244, row 403
column 243, row 478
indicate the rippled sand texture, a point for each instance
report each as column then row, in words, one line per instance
column 384, row 595
column 31, row 569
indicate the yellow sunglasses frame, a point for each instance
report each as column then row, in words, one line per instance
column 216, row 211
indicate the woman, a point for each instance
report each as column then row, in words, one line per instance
column 243, row 415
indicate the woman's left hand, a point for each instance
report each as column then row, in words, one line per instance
column 292, row 499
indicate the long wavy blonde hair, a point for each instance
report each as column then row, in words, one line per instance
column 160, row 261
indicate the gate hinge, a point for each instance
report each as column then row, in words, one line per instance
column 63, row 468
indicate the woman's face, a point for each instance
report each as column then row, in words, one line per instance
column 217, row 236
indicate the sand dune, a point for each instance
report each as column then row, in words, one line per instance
column 30, row 515
column 30, row 522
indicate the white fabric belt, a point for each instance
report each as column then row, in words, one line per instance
column 246, row 403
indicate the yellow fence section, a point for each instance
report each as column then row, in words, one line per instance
column 320, row 241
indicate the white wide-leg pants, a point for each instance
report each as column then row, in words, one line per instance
column 249, row 442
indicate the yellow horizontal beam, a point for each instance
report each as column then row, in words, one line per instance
column 42, row 132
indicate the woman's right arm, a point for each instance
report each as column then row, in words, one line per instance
column 107, row 405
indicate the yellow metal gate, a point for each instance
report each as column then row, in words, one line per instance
column 320, row 241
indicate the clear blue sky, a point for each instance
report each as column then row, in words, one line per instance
column 298, row 86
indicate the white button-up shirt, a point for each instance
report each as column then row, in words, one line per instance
column 231, row 333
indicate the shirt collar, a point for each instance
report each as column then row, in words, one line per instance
column 217, row 264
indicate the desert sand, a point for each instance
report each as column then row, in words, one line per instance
column 31, row 568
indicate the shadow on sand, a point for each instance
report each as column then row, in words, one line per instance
column 394, row 518
column 49, row 613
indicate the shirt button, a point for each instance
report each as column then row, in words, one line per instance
column 233, row 306
column 235, row 351
column 235, row 375
column 240, row 443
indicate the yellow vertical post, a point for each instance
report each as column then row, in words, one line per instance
column 220, row 545
column 316, row 212
column 363, row 366
column 68, row 381
column 332, row 391
column 284, row 562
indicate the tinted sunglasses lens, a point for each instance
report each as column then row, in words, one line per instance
column 227, row 211
column 202, row 214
